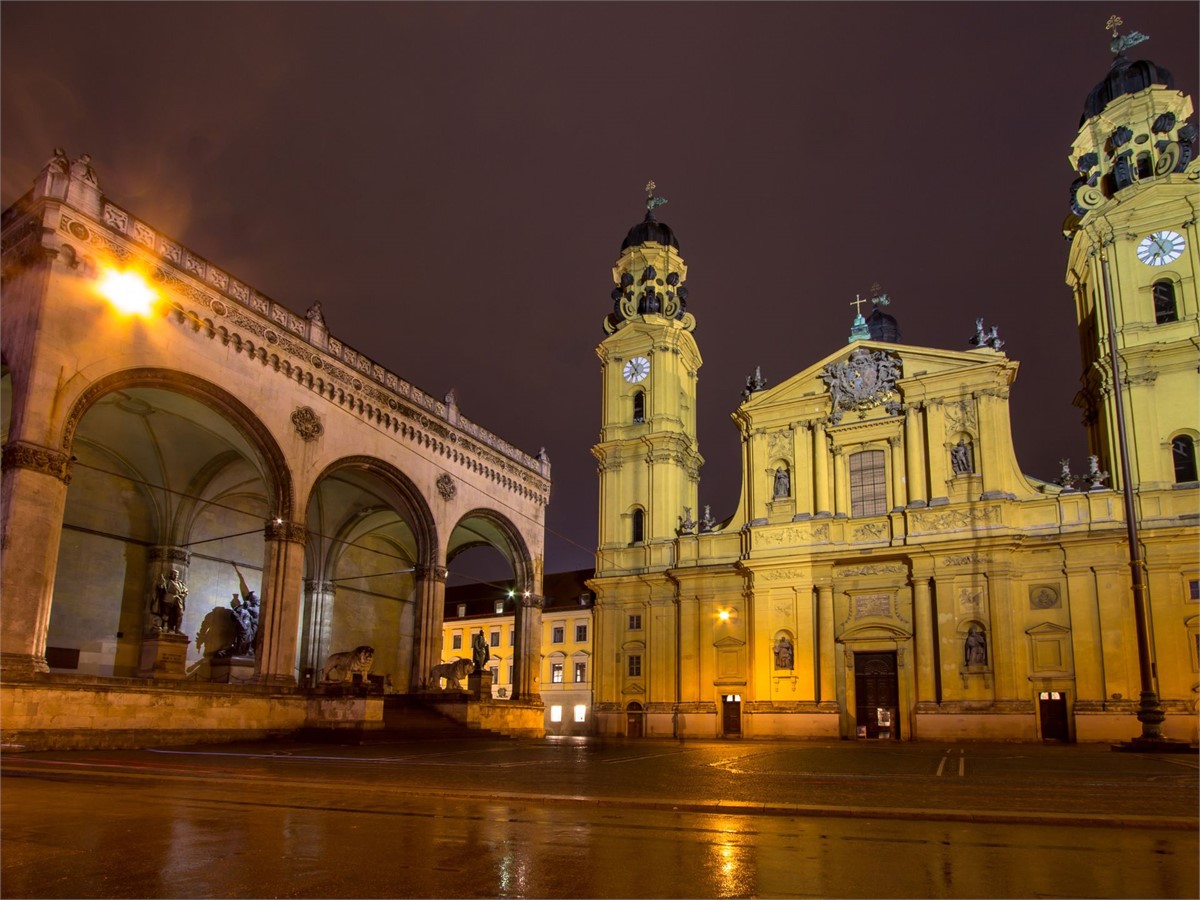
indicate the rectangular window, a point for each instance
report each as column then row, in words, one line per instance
column 556, row 714
column 494, row 639
column 510, row 665
column 456, row 642
column 499, row 606
column 581, row 713
column 1194, row 588
column 635, row 622
column 512, row 637
column 495, row 674
column 462, row 610
column 580, row 673
column 581, row 634
column 556, row 673
column 868, row 484
column 557, row 634
column 635, row 665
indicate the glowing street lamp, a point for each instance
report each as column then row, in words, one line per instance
column 127, row 291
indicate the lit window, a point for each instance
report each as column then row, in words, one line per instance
column 1183, row 454
column 494, row 639
column 868, row 484
column 556, row 714
column 635, row 622
column 635, row 664
column 556, row 636
column 581, row 634
column 581, row 668
column 456, row 642
column 580, row 713
column 462, row 610
column 639, row 526
column 499, row 606
column 1165, row 309
column 556, row 673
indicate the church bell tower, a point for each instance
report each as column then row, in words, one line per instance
column 1133, row 239
column 648, row 460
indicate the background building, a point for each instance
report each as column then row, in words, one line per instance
column 889, row 571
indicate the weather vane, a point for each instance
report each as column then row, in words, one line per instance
column 1120, row 44
column 651, row 201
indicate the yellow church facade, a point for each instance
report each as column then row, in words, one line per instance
column 890, row 572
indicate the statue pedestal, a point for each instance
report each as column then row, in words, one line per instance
column 232, row 670
column 164, row 656
column 479, row 685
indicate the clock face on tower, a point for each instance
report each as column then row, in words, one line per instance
column 636, row 369
column 1160, row 248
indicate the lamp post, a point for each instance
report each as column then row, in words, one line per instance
column 1150, row 712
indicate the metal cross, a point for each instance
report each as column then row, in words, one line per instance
column 857, row 302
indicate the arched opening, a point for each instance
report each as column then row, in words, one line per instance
column 639, row 407
column 1145, row 168
column 1183, row 456
column 370, row 538
column 170, row 474
column 638, row 528
column 489, row 597
column 634, row 719
column 1165, row 307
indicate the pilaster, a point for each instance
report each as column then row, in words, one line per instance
column 283, row 580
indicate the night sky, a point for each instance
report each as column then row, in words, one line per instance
column 453, row 182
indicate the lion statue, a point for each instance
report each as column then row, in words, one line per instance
column 454, row 672
column 342, row 667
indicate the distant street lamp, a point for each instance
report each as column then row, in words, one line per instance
column 127, row 291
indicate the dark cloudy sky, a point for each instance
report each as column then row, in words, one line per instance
column 453, row 181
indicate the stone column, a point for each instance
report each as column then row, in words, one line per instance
column 527, row 660
column 915, row 456
column 896, row 452
column 319, row 597
column 33, row 495
column 431, row 608
column 841, row 486
column 827, row 649
column 935, row 438
column 923, row 665
column 820, row 462
column 279, row 614
column 802, row 481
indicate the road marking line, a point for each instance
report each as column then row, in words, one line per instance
column 961, row 766
column 942, row 764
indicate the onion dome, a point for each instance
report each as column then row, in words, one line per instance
column 647, row 230
column 1124, row 76
column 883, row 327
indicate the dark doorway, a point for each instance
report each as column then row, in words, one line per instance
column 633, row 720
column 876, row 691
column 732, row 714
column 1052, row 706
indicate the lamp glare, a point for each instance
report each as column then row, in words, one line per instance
column 127, row 291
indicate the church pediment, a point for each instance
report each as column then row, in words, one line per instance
column 811, row 387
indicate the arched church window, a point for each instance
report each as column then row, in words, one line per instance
column 1144, row 168
column 639, row 526
column 1183, row 454
column 1165, row 308
column 868, row 484
column 639, row 407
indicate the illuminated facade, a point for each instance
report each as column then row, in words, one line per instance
column 889, row 571
column 219, row 434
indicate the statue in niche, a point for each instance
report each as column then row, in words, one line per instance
column 480, row 651
column 960, row 458
column 784, row 656
column 170, row 600
column 975, row 647
column 783, row 483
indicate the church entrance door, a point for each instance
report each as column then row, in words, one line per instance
column 1052, row 705
column 633, row 720
column 732, row 715
column 876, row 691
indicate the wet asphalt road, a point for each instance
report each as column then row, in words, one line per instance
column 497, row 818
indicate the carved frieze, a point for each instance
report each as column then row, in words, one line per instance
column 953, row 519
column 780, row 574
column 793, row 534
column 962, row 559
column 960, row 417
column 23, row 455
column 877, row 569
column 779, row 444
column 872, row 531
column 872, row 605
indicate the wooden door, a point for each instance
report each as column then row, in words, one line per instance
column 877, row 691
